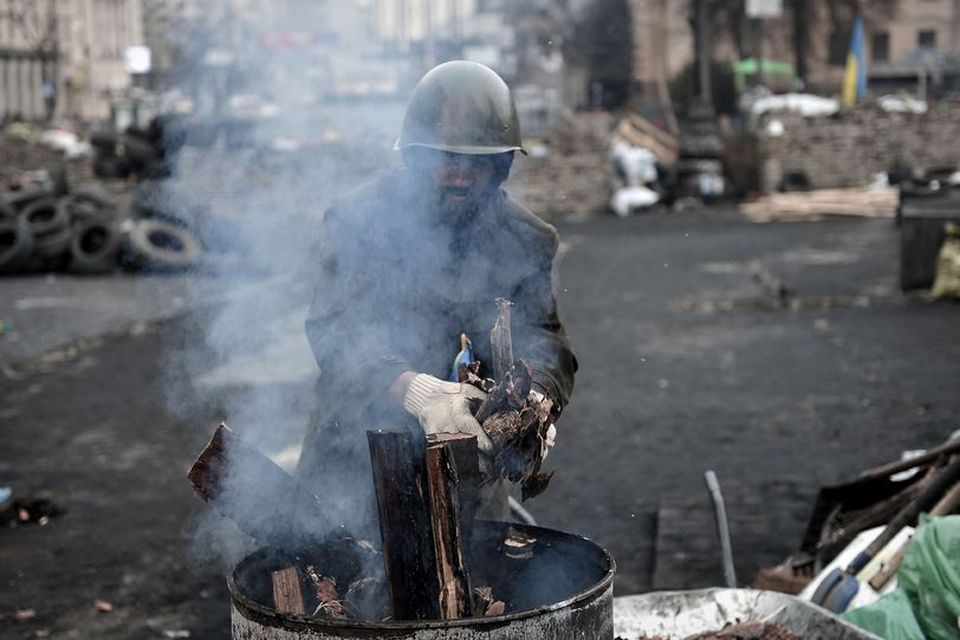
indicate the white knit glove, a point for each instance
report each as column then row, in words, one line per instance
column 444, row 407
column 550, row 439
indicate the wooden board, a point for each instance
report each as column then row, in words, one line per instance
column 400, row 481
column 287, row 596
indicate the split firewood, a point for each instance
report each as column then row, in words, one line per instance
column 367, row 599
column 452, row 572
column 329, row 603
column 517, row 424
column 497, row 608
column 287, row 596
column 400, row 483
column 515, row 419
column 484, row 604
column 518, row 545
column 243, row 484
column 501, row 340
column 466, row 462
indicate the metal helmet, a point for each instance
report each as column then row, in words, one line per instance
column 462, row 107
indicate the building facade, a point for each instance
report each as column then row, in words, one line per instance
column 904, row 40
column 65, row 57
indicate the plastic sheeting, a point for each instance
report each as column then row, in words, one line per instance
column 926, row 603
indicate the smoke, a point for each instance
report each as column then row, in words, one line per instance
column 259, row 157
column 380, row 284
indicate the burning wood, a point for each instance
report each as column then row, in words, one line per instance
column 484, row 604
column 330, row 605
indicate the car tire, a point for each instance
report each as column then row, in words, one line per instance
column 7, row 212
column 44, row 217
column 16, row 246
column 22, row 199
column 95, row 246
column 160, row 246
column 53, row 247
column 86, row 205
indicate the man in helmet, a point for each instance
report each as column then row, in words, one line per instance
column 413, row 260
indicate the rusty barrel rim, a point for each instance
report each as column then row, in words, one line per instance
column 264, row 615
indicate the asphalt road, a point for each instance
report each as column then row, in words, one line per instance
column 685, row 366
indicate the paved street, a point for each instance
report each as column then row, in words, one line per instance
column 686, row 365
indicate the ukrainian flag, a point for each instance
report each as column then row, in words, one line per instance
column 855, row 80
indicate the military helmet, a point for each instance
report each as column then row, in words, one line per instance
column 462, row 107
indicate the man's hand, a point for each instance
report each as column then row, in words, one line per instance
column 444, row 407
column 544, row 406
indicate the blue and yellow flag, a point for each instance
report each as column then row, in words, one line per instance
column 855, row 79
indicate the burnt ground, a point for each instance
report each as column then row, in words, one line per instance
column 672, row 383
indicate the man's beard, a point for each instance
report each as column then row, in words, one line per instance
column 456, row 210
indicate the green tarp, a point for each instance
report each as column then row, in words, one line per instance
column 926, row 602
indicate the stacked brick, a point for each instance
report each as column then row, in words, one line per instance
column 573, row 179
column 849, row 148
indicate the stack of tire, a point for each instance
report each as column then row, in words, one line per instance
column 83, row 232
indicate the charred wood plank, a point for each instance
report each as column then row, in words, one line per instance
column 466, row 459
column 399, row 478
column 501, row 340
column 243, row 485
column 452, row 572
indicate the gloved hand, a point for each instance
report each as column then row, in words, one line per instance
column 550, row 439
column 444, row 407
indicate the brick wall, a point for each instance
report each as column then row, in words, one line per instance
column 573, row 180
column 849, row 148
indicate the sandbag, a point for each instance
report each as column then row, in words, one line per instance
column 947, row 282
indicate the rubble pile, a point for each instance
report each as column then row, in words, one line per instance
column 852, row 146
column 571, row 177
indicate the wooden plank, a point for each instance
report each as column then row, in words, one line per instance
column 400, row 481
column 287, row 596
column 466, row 459
column 452, row 572
column 243, row 484
column 501, row 341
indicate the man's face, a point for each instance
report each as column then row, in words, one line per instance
column 461, row 182
column 461, row 179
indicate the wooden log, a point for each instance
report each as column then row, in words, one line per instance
column 400, row 481
column 245, row 486
column 287, row 596
column 950, row 447
column 453, row 575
